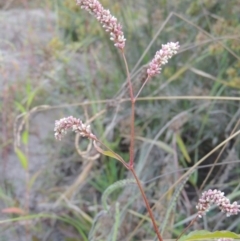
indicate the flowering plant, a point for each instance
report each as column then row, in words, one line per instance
column 114, row 28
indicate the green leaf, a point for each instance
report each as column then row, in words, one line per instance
column 30, row 98
column 25, row 137
column 20, row 107
column 165, row 147
column 22, row 158
column 204, row 234
column 109, row 153
column 158, row 143
column 182, row 148
column 193, row 178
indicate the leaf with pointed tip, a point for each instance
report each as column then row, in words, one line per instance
column 108, row 153
column 20, row 107
column 25, row 137
column 204, row 234
column 22, row 158
column 182, row 147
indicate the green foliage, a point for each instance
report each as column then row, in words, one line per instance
column 182, row 148
column 203, row 234
column 25, row 137
column 22, row 158
column 208, row 68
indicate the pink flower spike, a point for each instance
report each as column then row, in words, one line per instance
column 109, row 22
column 216, row 197
column 161, row 58
column 62, row 125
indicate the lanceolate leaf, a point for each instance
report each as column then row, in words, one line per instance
column 109, row 153
column 203, row 235
column 22, row 158
column 182, row 148
column 20, row 107
column 25, row 137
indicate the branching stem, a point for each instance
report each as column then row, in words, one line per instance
column 131, row 158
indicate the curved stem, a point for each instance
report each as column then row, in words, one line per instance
column 147, row 204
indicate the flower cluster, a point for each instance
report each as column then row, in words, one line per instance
column 109, row 22
column 161, row 57
column 62, row 125
column 216, row 197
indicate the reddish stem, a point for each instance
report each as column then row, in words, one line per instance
column 131, row 155
column 128, row 77
column 147, row 204
column 131, row 161
column 190, row 224
column 147, row 79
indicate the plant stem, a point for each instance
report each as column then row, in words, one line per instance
column 131, row 155
column 147, row 79
column 131, row 161
column 190, row 224
column 128, row 77
column 147, row 204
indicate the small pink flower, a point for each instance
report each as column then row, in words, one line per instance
column 62, row 125
column 161, row 58
column 216, row 197
column 109, row 22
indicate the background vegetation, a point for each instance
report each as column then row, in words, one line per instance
column 57, row 61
